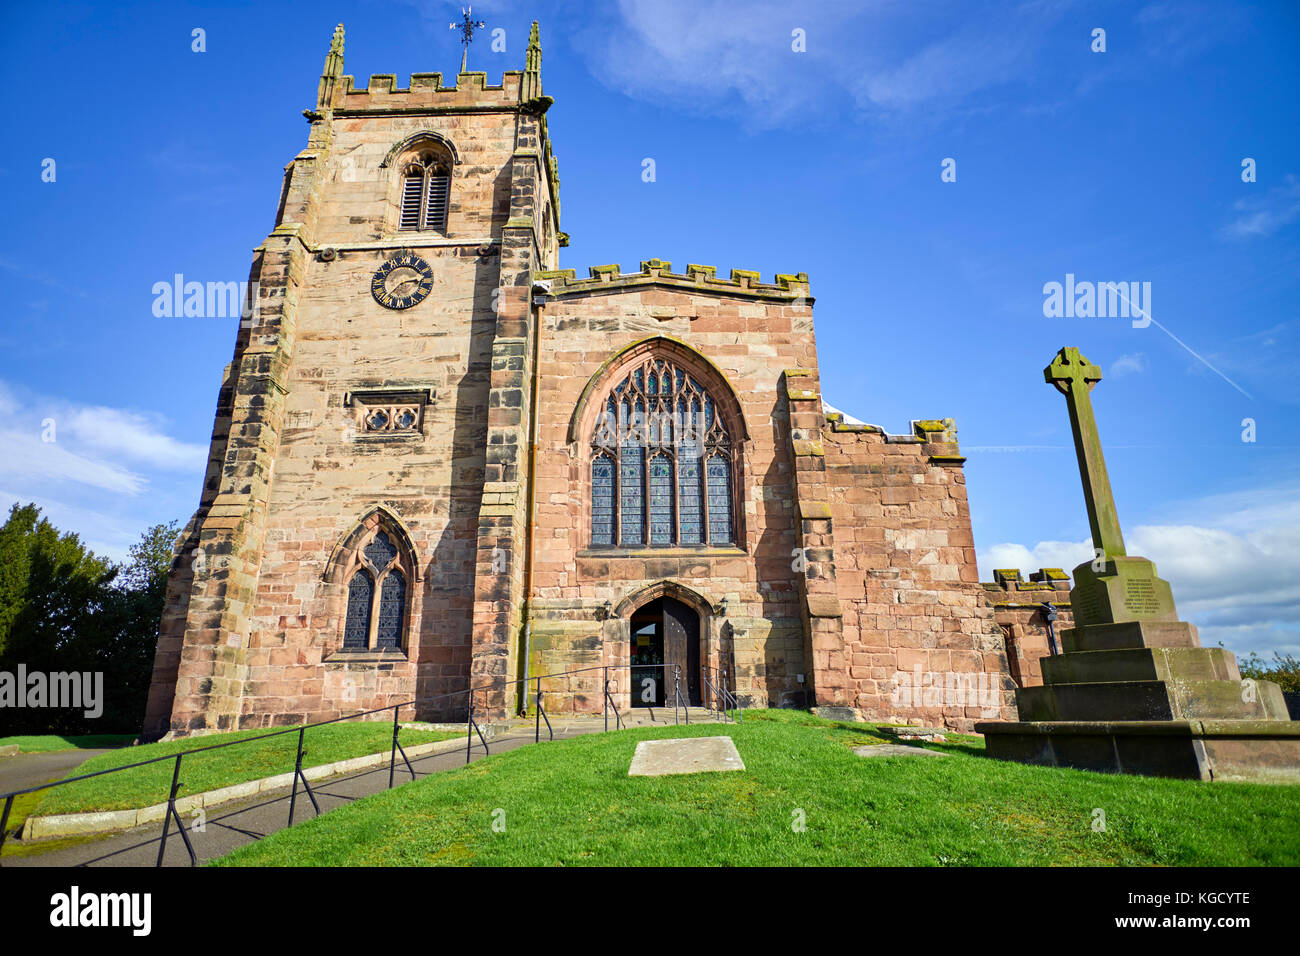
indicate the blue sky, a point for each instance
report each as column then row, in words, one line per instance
column 1123, row 165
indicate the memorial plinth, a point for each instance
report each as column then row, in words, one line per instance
column 1133, row 690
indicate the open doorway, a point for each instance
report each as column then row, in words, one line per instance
column 665, row 636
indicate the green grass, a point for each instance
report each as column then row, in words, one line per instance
column 143, row 786
column 48, row 743
column 571, row 803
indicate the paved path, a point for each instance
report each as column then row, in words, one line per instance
column 232, row 825
column 27, row 770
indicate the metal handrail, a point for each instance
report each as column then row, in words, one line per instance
column 735, row 701
column 472, row 727
column 618, row 718
column 540, row 716
column 714, row 694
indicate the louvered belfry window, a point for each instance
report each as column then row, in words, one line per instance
column 376, row 596
column 426, row 191
column 661, row 465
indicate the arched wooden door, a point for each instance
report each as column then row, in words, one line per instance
column 682, row 645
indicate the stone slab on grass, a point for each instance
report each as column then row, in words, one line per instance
column 896, row 750
column 836, row 713
column 659, row 758
column 931, row 734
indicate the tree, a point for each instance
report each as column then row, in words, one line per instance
column 65, row 609
column 150, row 558
column 47, row 581
column 1283, row 670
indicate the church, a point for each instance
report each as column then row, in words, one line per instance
column 440, row 463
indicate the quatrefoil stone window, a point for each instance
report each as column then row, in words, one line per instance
column 389, row 413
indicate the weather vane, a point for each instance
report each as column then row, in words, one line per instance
column 467, row 28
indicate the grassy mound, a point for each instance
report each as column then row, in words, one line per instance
column 143, row 786
column 571, row 803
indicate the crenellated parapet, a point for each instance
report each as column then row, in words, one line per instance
column 938, row 435
column 426, row 93
column 1009, row 589
column 696, row 278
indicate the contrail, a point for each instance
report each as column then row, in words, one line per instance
column 1146, row 315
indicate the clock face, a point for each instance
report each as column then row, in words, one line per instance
column 402, row 281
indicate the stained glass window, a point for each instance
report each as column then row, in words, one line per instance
column 632, row 496
column 602, row 500
column 690, row 504
column 719, row 478
column 661, row 500
column 381, row 551
column 356, row 632
column 654, row 433
column 392, row 603
column 376, row 602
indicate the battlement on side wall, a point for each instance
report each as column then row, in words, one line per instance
column 926, row 431
column 698, row 278
column 1009, row 588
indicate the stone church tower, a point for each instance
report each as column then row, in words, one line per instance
column 440, row 462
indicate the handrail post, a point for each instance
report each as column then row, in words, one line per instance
column 392, row 759
column 604, row 704
column 4, row 822
column 469, row 725
column 168, row 816
column 293, row 795
column 537, row 718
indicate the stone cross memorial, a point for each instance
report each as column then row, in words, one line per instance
column 1134, row 691
column 1112, row 587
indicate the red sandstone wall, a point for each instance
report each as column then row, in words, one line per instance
column 751, row 342
column 908, row 585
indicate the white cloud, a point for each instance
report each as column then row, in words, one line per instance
column 133, row 437
column 1261, row 216
column 947, row 69
column 1234, row 568
column 717, row 56
column 1045, row 554
column 35, row 464
column 53, row 442
column 1128, row 364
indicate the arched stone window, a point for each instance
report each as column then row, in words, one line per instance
column 662, row 461
column 426, row 191
column 375, row 567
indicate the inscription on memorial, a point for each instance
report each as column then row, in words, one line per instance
column 1087, row 606
column 1140, row 597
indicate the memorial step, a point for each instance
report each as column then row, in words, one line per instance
column 1153, row 700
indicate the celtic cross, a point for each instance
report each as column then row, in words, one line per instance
column 1074, row 376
